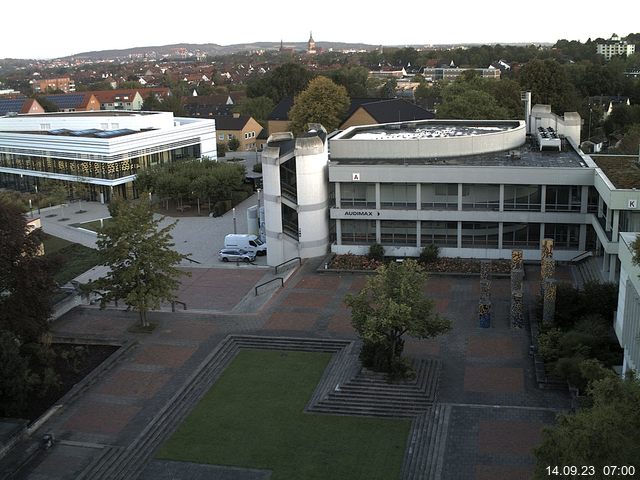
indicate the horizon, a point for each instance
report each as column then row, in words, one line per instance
column 492, row 22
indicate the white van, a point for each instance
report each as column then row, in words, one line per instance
column 245, row 241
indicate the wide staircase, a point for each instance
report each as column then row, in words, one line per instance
column 372, row 394
column 589, row 270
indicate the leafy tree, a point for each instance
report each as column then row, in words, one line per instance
column 468, row 103
column 233, row 144
column 388, row 89
column 151, row 103
column 258, row 107
column 16, row 378
column 607, row 433
column 393, row 304
column 549, row 84
column 322, row 102
column 428, row 96
column 45, row 103
column 26, row 282
column 353, row 78
column 143, row 265
column 287, row 80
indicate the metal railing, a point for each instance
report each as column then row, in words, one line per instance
column 267, row 283
column 288, row 261
column 173, row 305
column 581, row 256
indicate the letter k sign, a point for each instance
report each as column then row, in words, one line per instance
column 632, row 204
column 355, row 177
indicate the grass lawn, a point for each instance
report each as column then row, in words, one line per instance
column 253, row 417
column 94, row 225
column 72, row 259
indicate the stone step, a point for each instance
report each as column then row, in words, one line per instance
column 101, row 462
column 395, row 403
column 368, row 411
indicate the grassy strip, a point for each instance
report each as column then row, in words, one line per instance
column 94, row 225
column 71, row 259
column 253, row 417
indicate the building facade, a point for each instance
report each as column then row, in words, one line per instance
column 614, row 47
column 296, row 195
column 65, row 84
column 439, row 73
column 627, row 319
column 102, row 149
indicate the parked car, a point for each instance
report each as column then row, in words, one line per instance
column 245, row 241
column 236, row 255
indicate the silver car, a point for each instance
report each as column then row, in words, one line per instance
column 236, row 255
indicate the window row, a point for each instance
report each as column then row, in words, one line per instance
column 472, row 234
column 445, row 196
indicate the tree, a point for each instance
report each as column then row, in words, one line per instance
column 393, row 304
column 143, row 265
column 259, row 108
column 353, row 78
column 607, row 433
column 16, row 378
column 151, row 103
column 549, row 84
column 233, row 144
column 467, row 103
column 322, row 102
column 287, row 80
column 26, row 283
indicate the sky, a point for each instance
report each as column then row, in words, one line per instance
column 46, row 30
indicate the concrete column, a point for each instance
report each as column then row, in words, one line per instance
column 500, row 232
column 541, row 233
column 378, row 197
column 584, row 199
column 338, row 231
column 608, row 221
column 613, row 267
column 600, row 202
column 459, row 197
column 378, row 232
column 418, row 237
column 501, row 206
column 543, row 198
column 418, row 196
column 338, row 195
column 605, row 262
column 615, row 225
column 459, row 234
column 582, row 240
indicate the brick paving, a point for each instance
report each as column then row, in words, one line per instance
column 487, row 377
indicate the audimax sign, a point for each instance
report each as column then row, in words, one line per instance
column 361, row 213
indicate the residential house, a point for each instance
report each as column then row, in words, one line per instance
column 119, row 99
column 242, row 127
column 19, row 105
column 74, row 102
column 384, row 111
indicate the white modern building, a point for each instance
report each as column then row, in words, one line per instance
column 103, row 149
column 614, row 47
column 296, row 195
column 627, row 321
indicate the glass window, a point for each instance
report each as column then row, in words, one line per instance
column 439, row 196
column 484, row 235
column 358, row 232
column 481, row 197
column 522, row 235
column 561, row 198
column 357, row 195
column 592, row 200
column 398, row 233
column 522, row 197
column 399, row 196
column 565, row 237
column 442, row 234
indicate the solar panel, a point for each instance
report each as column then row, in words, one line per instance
column 114, row 133
column 88, row 131
column 59, row 131
column 11, row 105
column 71, row 100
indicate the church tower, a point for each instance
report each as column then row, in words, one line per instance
column 311, row 45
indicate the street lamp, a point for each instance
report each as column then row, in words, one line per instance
column 234, row 220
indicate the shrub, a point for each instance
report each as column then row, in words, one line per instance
column 221, row 149
column 429, row 254
column 548, row 344
column 257, row 167
column 233, row 144
column 376, row 252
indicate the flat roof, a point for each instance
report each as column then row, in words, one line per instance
column 622, row 170
column 429, row 129
column 87, row 133
column 527, row 155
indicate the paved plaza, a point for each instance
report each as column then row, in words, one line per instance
column 487, row 380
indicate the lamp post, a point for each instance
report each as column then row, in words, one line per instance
column 234, row 220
